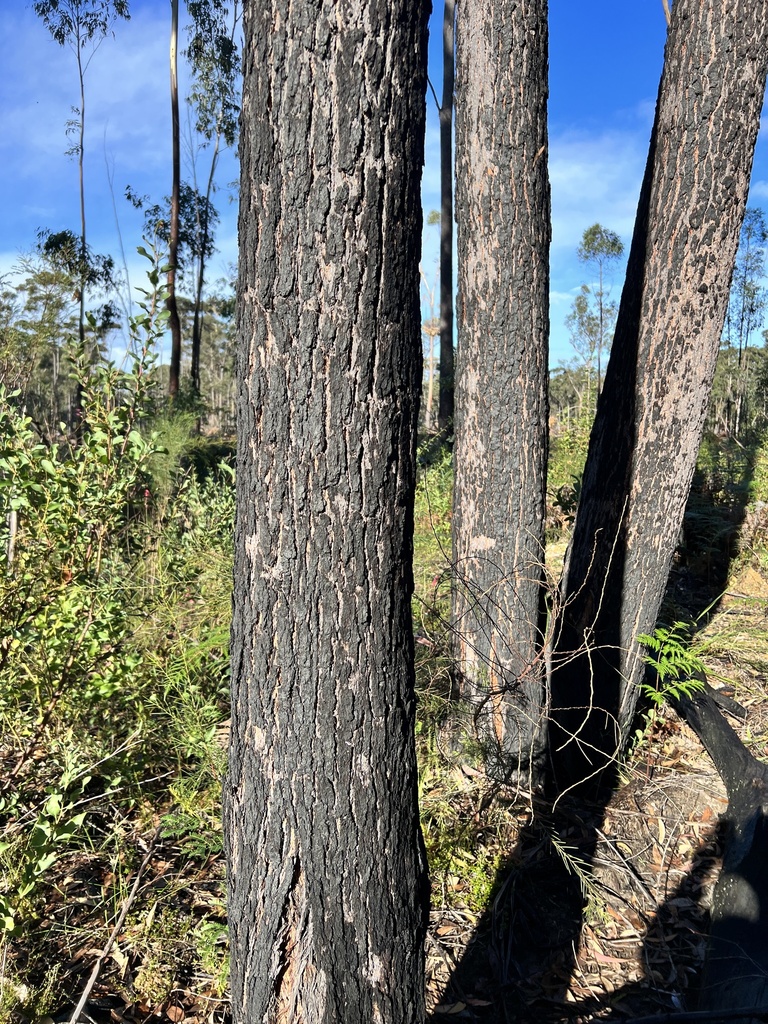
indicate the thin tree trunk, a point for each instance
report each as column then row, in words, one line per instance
column 651, row 413
column 81, row 175
column 502, row 204
column 197, row 321
column 327, row 873
column 80, row 412
column 445, row 406
column 174, row 321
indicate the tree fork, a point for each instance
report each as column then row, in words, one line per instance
column 651, row 412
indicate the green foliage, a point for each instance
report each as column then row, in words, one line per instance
column 28, row 852
column 79, row 22
column 678, row 671
column 214, row 59
column 211, row 939
column 432, row 513
column 71, row 521
column 599, row 246
column 115, row 578
column 198, row 218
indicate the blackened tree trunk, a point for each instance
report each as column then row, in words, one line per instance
column 502, row 212
column 445, row 405
column 327, row 873
column 651, row 413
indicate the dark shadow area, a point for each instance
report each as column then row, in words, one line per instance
column 524, row 956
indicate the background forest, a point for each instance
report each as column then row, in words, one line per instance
column 117, row 504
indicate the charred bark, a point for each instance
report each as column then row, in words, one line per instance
column 651, row 412
column 502, row 211
column 327, row 874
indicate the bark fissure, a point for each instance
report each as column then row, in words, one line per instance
column 323, row 756
column 501, row 416
column 651, row 412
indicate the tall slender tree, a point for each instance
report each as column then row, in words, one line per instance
column 82, row 25
column 502, row 210
column 447, row 389
column 214, row 58
column 651, row 413
column 599, row 249
column 327, row 874
column 174, row 322
column 746, row 313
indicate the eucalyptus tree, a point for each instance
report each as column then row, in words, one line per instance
column 746, row 315
column 327, row 883
column 651, row 413
column 447, row 385
column 213, row 53
column 599, row 249
column 82, row 25
column 174, row 322
column 501, row 414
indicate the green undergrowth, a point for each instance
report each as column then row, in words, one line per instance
column 116, row 552
column 115, row 581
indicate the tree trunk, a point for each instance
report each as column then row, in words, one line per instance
column 328, row 890
column 197, row 319
column 502, row 211
column 445, row 404
column 174, row 322
column 651, row 413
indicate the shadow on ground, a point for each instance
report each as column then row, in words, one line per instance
column 532, row 958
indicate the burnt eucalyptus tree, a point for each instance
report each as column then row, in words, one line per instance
column 327, row 872
column 651, row 413
column 502, row 212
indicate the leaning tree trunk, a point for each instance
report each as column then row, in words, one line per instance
column 651, row 413
column 327, row 874
column 502, row 212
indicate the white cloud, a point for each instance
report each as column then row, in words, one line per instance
column 595, row 178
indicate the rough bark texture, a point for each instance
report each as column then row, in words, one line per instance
column 445, row 407
column 327, row 875
column 502, row 212
column 651, row 413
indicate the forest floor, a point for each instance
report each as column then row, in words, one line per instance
column 601, row 913
column 584, row 913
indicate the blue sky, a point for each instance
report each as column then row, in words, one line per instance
column 605, row 63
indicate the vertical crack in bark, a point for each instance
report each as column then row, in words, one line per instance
column 299, row 992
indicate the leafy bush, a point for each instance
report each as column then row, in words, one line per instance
column 70, row 532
